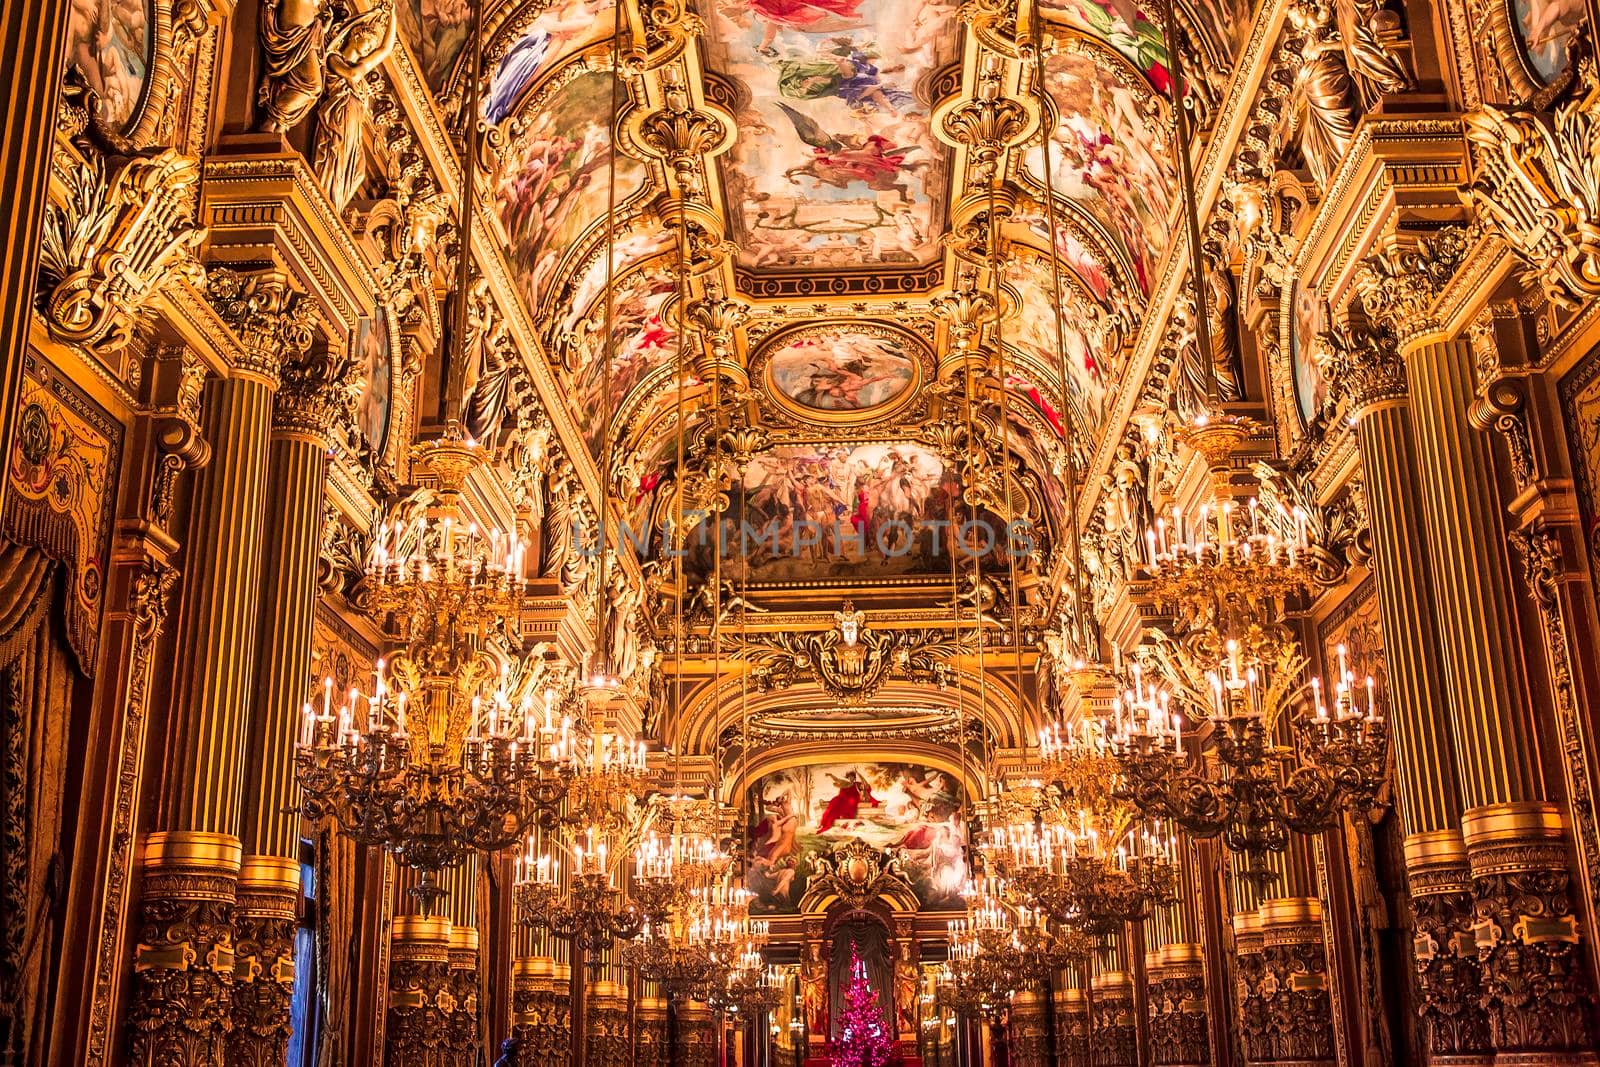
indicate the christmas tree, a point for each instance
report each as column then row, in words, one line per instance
column 864, row 1039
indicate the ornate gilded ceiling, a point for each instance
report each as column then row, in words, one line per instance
column 820, row 206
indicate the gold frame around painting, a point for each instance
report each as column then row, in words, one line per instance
column 922, row 361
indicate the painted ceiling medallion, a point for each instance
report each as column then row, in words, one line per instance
column 843, row 371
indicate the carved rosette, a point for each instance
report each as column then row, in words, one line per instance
column 1399, row 282
column 1443, row 950
column 1361, row 362
column 1179, row 1031
column 417, row 1030
column 1114, row 1038
column 263, row 977
column 1533, row 987
column 180, row 1012
column 462, row 1038
column 273, row 322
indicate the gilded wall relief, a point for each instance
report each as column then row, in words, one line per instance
column 64, row 466
column 1108, row 152
column 553, row 182
column 835, row 164
column 112, row 44
column 842, row 371
column 803, row 812
column 1355, row 625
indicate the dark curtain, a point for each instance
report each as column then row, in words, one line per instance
column 36, row 686
column 872, row 943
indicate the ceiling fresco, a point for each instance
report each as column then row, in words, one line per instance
column 835, row 165
column 1109, row 152
column 843, row 370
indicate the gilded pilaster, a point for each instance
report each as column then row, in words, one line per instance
column 1072, row 1027
column 608, row 1025
column 696, row 1038
column 650, row 1041
column 264, row 923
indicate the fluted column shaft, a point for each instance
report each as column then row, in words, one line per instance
column 214, row 674
column 182, row 1003
column 1472, row 587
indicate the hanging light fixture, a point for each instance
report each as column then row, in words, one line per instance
column 447, row 752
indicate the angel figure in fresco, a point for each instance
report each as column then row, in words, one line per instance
column 843, row 69
column 807, row 16
column 841, row 160
column 855, row 793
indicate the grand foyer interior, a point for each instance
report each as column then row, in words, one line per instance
column 800, row 532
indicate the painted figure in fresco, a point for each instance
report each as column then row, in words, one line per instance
column 1125, row 26
column 807, row 16
column 846, row 70
column 841, row 160
column 774, row 859
column 854, row 794
column 514, row 72
column 108, row 44
column 834, row 386
column 1547, row 27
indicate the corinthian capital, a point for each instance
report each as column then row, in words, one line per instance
column 1399, row 282
column 272, row 320
column 681, row 135
column 314, row 390
column 1361, row 362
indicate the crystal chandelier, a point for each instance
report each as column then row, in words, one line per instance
column 984, row 962
column 448, row 751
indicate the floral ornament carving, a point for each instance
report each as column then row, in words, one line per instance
column 718, row 318
column 273, row 322
column 125, row 231
column 681, row 135
column 1336, row 535
column 987, row 124
column 316, row 386
column 1400, row 281
column 858, row 874
column 1536, row 180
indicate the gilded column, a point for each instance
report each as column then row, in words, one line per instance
column 608, row 1035
column 311, row 384
column 1532, row 985
column 182, row 1005
column 651, row 1022
column 1029, row 1047
column 1113, row 1041
column 1072, row 1022
column 416, row 1033
column 1255, row 1034
column 1293, row 984
column 462, row 1023
column 696, row 1035
column 1179, row 1025
column 1364, row 367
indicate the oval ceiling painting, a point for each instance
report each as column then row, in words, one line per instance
column 841, row 369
